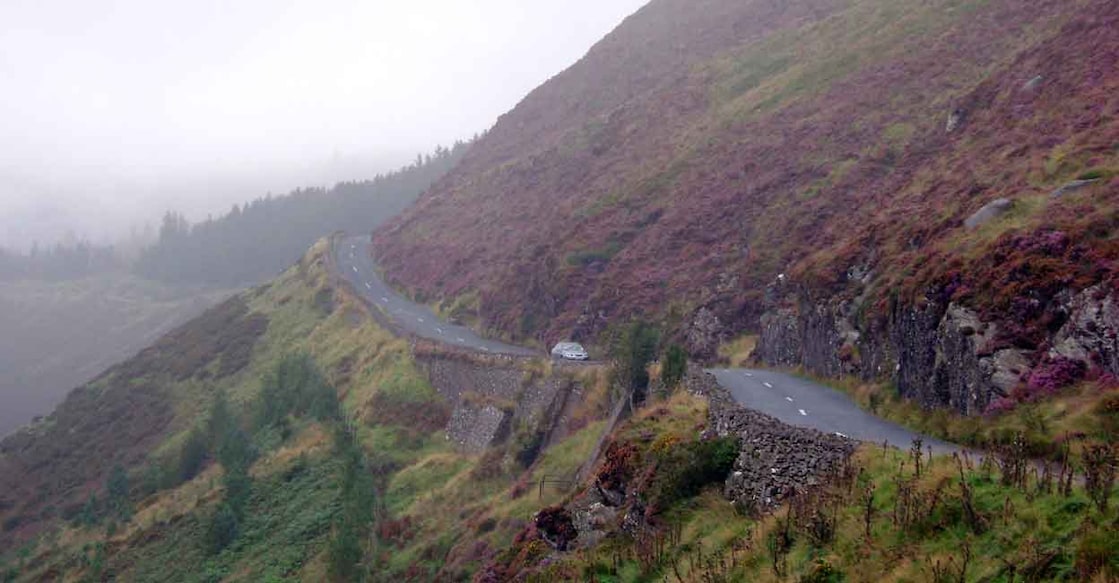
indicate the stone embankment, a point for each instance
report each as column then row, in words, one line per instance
column 775, row 459
column 495, row 395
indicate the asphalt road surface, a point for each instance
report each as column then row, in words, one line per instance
column 353, row 261
column 804, row 403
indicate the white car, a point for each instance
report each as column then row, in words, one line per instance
column 569, row 351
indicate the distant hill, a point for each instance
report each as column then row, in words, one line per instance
column 59, row 334
column 256, row 241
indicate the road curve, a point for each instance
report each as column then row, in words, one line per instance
column 356, row 265
column 794, row 400
column 801, row 402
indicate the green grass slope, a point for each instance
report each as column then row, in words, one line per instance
column 282, row 435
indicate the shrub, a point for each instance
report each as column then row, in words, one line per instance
column 222, row 529
column 1095, row 553
column 684, row 470
column 296, row 386
column 675, row 365
column 1107, row 412
column 556, row 526
column 823, row 572
column 631, row 350
column 1050, row 376
column 617, row 466
column 192, row 456
column 116, row 487
column 528, row 440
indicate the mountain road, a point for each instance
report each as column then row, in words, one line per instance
column 351, row 255
column 794, row 400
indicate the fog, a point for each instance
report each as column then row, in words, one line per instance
column 113, row 111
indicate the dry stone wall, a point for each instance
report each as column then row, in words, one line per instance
column 493, row 395
column 775, row 459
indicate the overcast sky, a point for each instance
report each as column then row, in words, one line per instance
column 113, row 111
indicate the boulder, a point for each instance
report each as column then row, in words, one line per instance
column 992, row 210
column 1071, row 187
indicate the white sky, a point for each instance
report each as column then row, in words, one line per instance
column 112, row 111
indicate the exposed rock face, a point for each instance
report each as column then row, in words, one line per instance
column 705, row 334
column 1091, row 333
column 938, row 355
column 779, row 343
column 990, row 211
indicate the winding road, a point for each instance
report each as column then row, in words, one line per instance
column 354, row 262
column 794, row 400
column 798, row 401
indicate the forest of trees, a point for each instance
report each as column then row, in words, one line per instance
column 60, row 262
column 255, row 241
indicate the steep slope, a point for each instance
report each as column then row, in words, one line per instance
column 58, row 334
column 703, row 150
column 285, row 435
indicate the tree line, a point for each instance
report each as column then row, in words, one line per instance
column 60, row 262
column 255, row 241
column 250, row 243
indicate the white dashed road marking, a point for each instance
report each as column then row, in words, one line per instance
column 802, row 412
column 439, row 330
column 789, row 399
column 353, row 268
column 486, row 348
column 420, row 320
column 768, row 386
column 749, row 374
column 384, row 299
column 367, row 286
column 460, row 340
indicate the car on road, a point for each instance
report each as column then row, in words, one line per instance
column 569, row 351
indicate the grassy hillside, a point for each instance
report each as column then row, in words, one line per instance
column 700, row 150
column 878, row 522
column 60, row 334
column 134, row 476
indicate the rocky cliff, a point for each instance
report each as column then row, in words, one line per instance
column 947, row 355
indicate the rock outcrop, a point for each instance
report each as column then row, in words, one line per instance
column 990, row 211
column 939, row 355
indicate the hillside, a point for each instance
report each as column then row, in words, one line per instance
column 59, row 334
column 285, row 435
column 710, row 164
column 241, row 444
